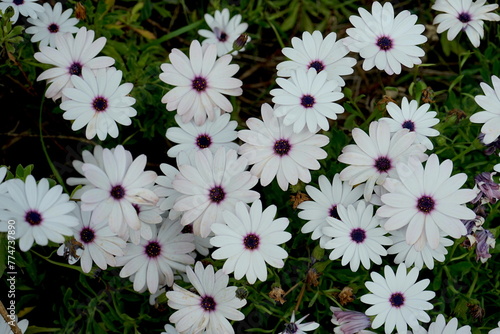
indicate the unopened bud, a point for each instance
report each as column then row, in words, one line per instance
column 240, row 42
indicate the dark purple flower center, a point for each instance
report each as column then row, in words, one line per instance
column 409, row 125
column 18, row 2
column 203, row 141
column 397, row 299
column 75, row 69
column 187, row 229
column 425, row 204
column 384, row 43
column 251, row 241
column 100, row 104
column 33, row 218
column 222, row 37
column 217, row 194
column 358, row 235
column 87, row 235
column 153, row 249
column 208, row 303
column 383, row 164
column 464, row 17
column 307, row 101
column 199, row 84
column 291, row 328
column 333, row 212
column 282, row 147
column 53, row 28
column 317, row 65
column 117, row 192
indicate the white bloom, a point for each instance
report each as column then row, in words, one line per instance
column 427, row 200
column 200, row 81
column 212, row 135
column 40, row 214
column 374, row 157
column 324, row 204
column 5, row 328
column 385, row 41
column 117, row 186
column 169, row 329
column 215, row 183
column 276, row 151
column 50, row 23
column 224, row 31
column 306, row 99
column 297, row 327
column 69, row 57
column 414, row 118
column 398, row 299
column 168, row 195
column 349, row 322
column 356, row 237
column 490, row 116
column 210, row 308
column 495, row 330
column 3, row 187
column 312, row 51
column 249, row 239
column 98, row 101
column 464, row 15
column 152, row 262
column 28, row 8
column 440, row 327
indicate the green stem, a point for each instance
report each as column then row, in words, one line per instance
column 473, row 285
column 59, row 263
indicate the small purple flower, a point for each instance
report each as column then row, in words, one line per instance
column 485, row 240
column 349, row 322
column 474, row 224
column 487, row 190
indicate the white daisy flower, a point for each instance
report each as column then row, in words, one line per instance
column 212, row 135
column 411, row 255
column 98, row 244
column 297, row 327
column 28, row 8
column 3, row 172
column 276, row 151
column 427, row 200
column 398, row 299
column 349, row 322
column 41, row 214
column 69, row 57
column 94, row 158
column 6, row 329
column 249, row 239
column 224, row 31
column 465, row 16
column 153, row 262
column 356, row 237
column 167, row 192
column 117, row 186
column 414, row 118
column 374, row 157
column 216, row 182
column 495, row 330
column 306, row 99
column 98, row 101
column 210, row 308
column 169, row 329
column 50, row 23
column 385, row 41
column 324, row 204
column 490, row 116
column 441, row 327
column 200, row 81
column 312, row 51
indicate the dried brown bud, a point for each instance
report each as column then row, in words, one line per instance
column 312, row 277
column 428, row 95
column 80, row 11
column 476, row 311
column 346, row 296
column 298, row 198
column 277, row 294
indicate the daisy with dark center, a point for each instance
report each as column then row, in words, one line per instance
column 427, row 200
column 207, row 310
column 414, row 118
column 200, row 81
column 153, row 263
column 50, row 23
column 224, row 31
column 70, row 56
column 398, row 300
column 490, row 116
column 27, row 8
column 306, row 99
column 374, row 156
column 324, row 204
column 249, row 239
column 213, row 183
column 385, row 41
column 466, row 15
column 297, row 327
column 41, row 214
column 212, row 135
column 98, row 101
column 441, row 327
column 312, row 51
column 356, row 237
column 276, row 151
